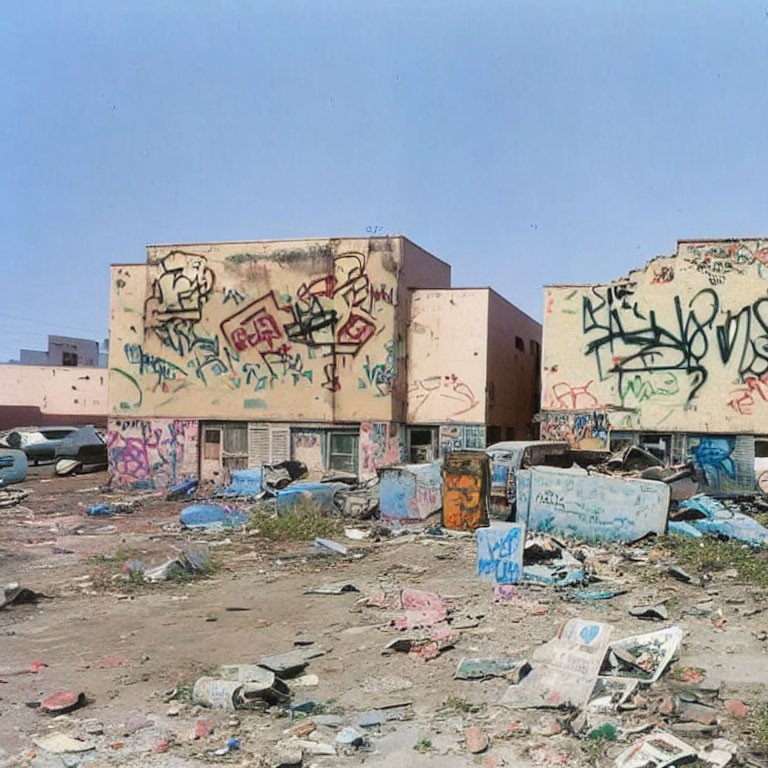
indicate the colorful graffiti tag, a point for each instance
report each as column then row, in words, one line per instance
column 153, row 453
column 320, row 321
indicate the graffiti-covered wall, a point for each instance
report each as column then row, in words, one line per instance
column 290, row 330
column 681, row 346
column 152, row 453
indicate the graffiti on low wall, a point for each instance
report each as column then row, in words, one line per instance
column 152, row 453
column 583, row 430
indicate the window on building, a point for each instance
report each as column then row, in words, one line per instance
column 761, row 449
column 493, row 435
column 621, row 440
column 342, row 451
column 69, row 358
column 535, row 347
column 268, row 444
column 519, row 344
column 509, row 433
column 422, row 444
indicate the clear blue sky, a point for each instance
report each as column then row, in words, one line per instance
column 525, row 142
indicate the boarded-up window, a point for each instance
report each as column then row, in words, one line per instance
column 211, row 444
column 268, row 444
column 235, row 444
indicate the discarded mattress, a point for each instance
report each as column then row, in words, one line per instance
column 583, row 506
column 704, row 515
column 212, row 516
column 410, row 492
column 13, row 466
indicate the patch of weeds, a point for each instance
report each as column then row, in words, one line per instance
column 305, row 521
column 119, row 557
column 594, row 750
column 113, row 694
column 423, row 745
column 330, row 707
column 712, row 554
column 462, row 705
column 182, row 692
column 760, row 727
column 205, row 570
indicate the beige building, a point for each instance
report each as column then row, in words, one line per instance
column 226, row 355
column 473, row 361
column 41, row 395
column 673, row 357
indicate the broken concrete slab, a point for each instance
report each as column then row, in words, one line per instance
column 592, row 506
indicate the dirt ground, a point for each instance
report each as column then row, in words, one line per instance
column 128, row 647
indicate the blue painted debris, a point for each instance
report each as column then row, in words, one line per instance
column 13, row 466
column 709, row 516
column 321, row 495
column 500, row 552
column 118, row 508
column 559, row 573
column 245, row 482
column 597, row 594
column 582, row 506
column 410, row 492
column 182, row 490
column 212, row 516
column 683, row 528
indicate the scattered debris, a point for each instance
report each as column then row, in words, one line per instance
column 657, row 750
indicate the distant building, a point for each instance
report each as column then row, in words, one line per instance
column 348, row 354
column 65, row 350
column 47, row 396
column 673, row 357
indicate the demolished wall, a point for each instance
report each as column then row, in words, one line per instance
column 678, row 346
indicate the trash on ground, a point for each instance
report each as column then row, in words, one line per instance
column 329, row 545
column 658, row 749
column 62, row 701
column 13, row 594
column 325, row 497
column 186, row 562
column 334, row 588
column 656, row 612
column 476, row 739
column 513, row 669
column 643, row 657
column 117, row 508
column 564, row 669
column 229, row 695
column 710, row 516
column 212, row 517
